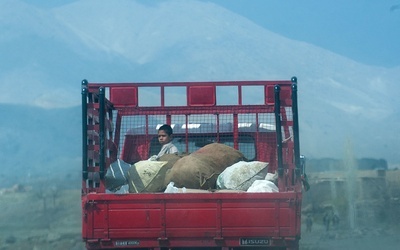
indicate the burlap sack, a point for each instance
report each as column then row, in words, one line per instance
column 200, row 169
column 170, row 159
column 147, row 176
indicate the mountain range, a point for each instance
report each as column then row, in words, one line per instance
column 47, row 51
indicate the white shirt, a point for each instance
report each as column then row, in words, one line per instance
column 168, row 148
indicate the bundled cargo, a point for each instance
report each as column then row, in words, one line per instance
column 200, row 169
column 241, row 175
column 263, row 186
column 148, row 176
column 116, row 175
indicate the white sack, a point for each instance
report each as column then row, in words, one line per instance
column 241, row 175
column 272, row 177
column 263, row 186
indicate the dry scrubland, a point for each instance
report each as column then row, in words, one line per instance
column 34, row 218
column 40, row 219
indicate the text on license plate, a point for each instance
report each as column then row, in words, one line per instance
column 254, row 241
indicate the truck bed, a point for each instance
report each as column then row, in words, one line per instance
column 257, row 118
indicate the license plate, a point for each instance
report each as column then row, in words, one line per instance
column 127, row 243
column 255, row 241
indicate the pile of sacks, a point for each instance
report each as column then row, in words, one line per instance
column 214, row 166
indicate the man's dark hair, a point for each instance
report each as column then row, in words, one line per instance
column 167, row 128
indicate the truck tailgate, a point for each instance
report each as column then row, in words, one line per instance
column 190, row 219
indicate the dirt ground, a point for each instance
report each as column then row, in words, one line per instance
column 40, row 220
column 43, row 220
column 360, row 239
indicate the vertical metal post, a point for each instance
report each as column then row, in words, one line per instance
column 235, row 131
column 296, row 137
column 278, row 129
column 102, row 130
column 84, row 130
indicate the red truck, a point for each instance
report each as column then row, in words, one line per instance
column 258, row 118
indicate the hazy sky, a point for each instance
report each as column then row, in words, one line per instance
column 367, row 31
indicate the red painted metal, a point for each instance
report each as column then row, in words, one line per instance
column 201, row 96
column 124, row 96
column 224, row 220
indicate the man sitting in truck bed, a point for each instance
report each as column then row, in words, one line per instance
column 165, row 139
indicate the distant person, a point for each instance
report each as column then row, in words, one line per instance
column 335, row 221
column 309, row 223
column 327, row 220
column 165, row 139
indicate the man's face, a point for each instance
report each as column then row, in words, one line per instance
column 163, row 137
